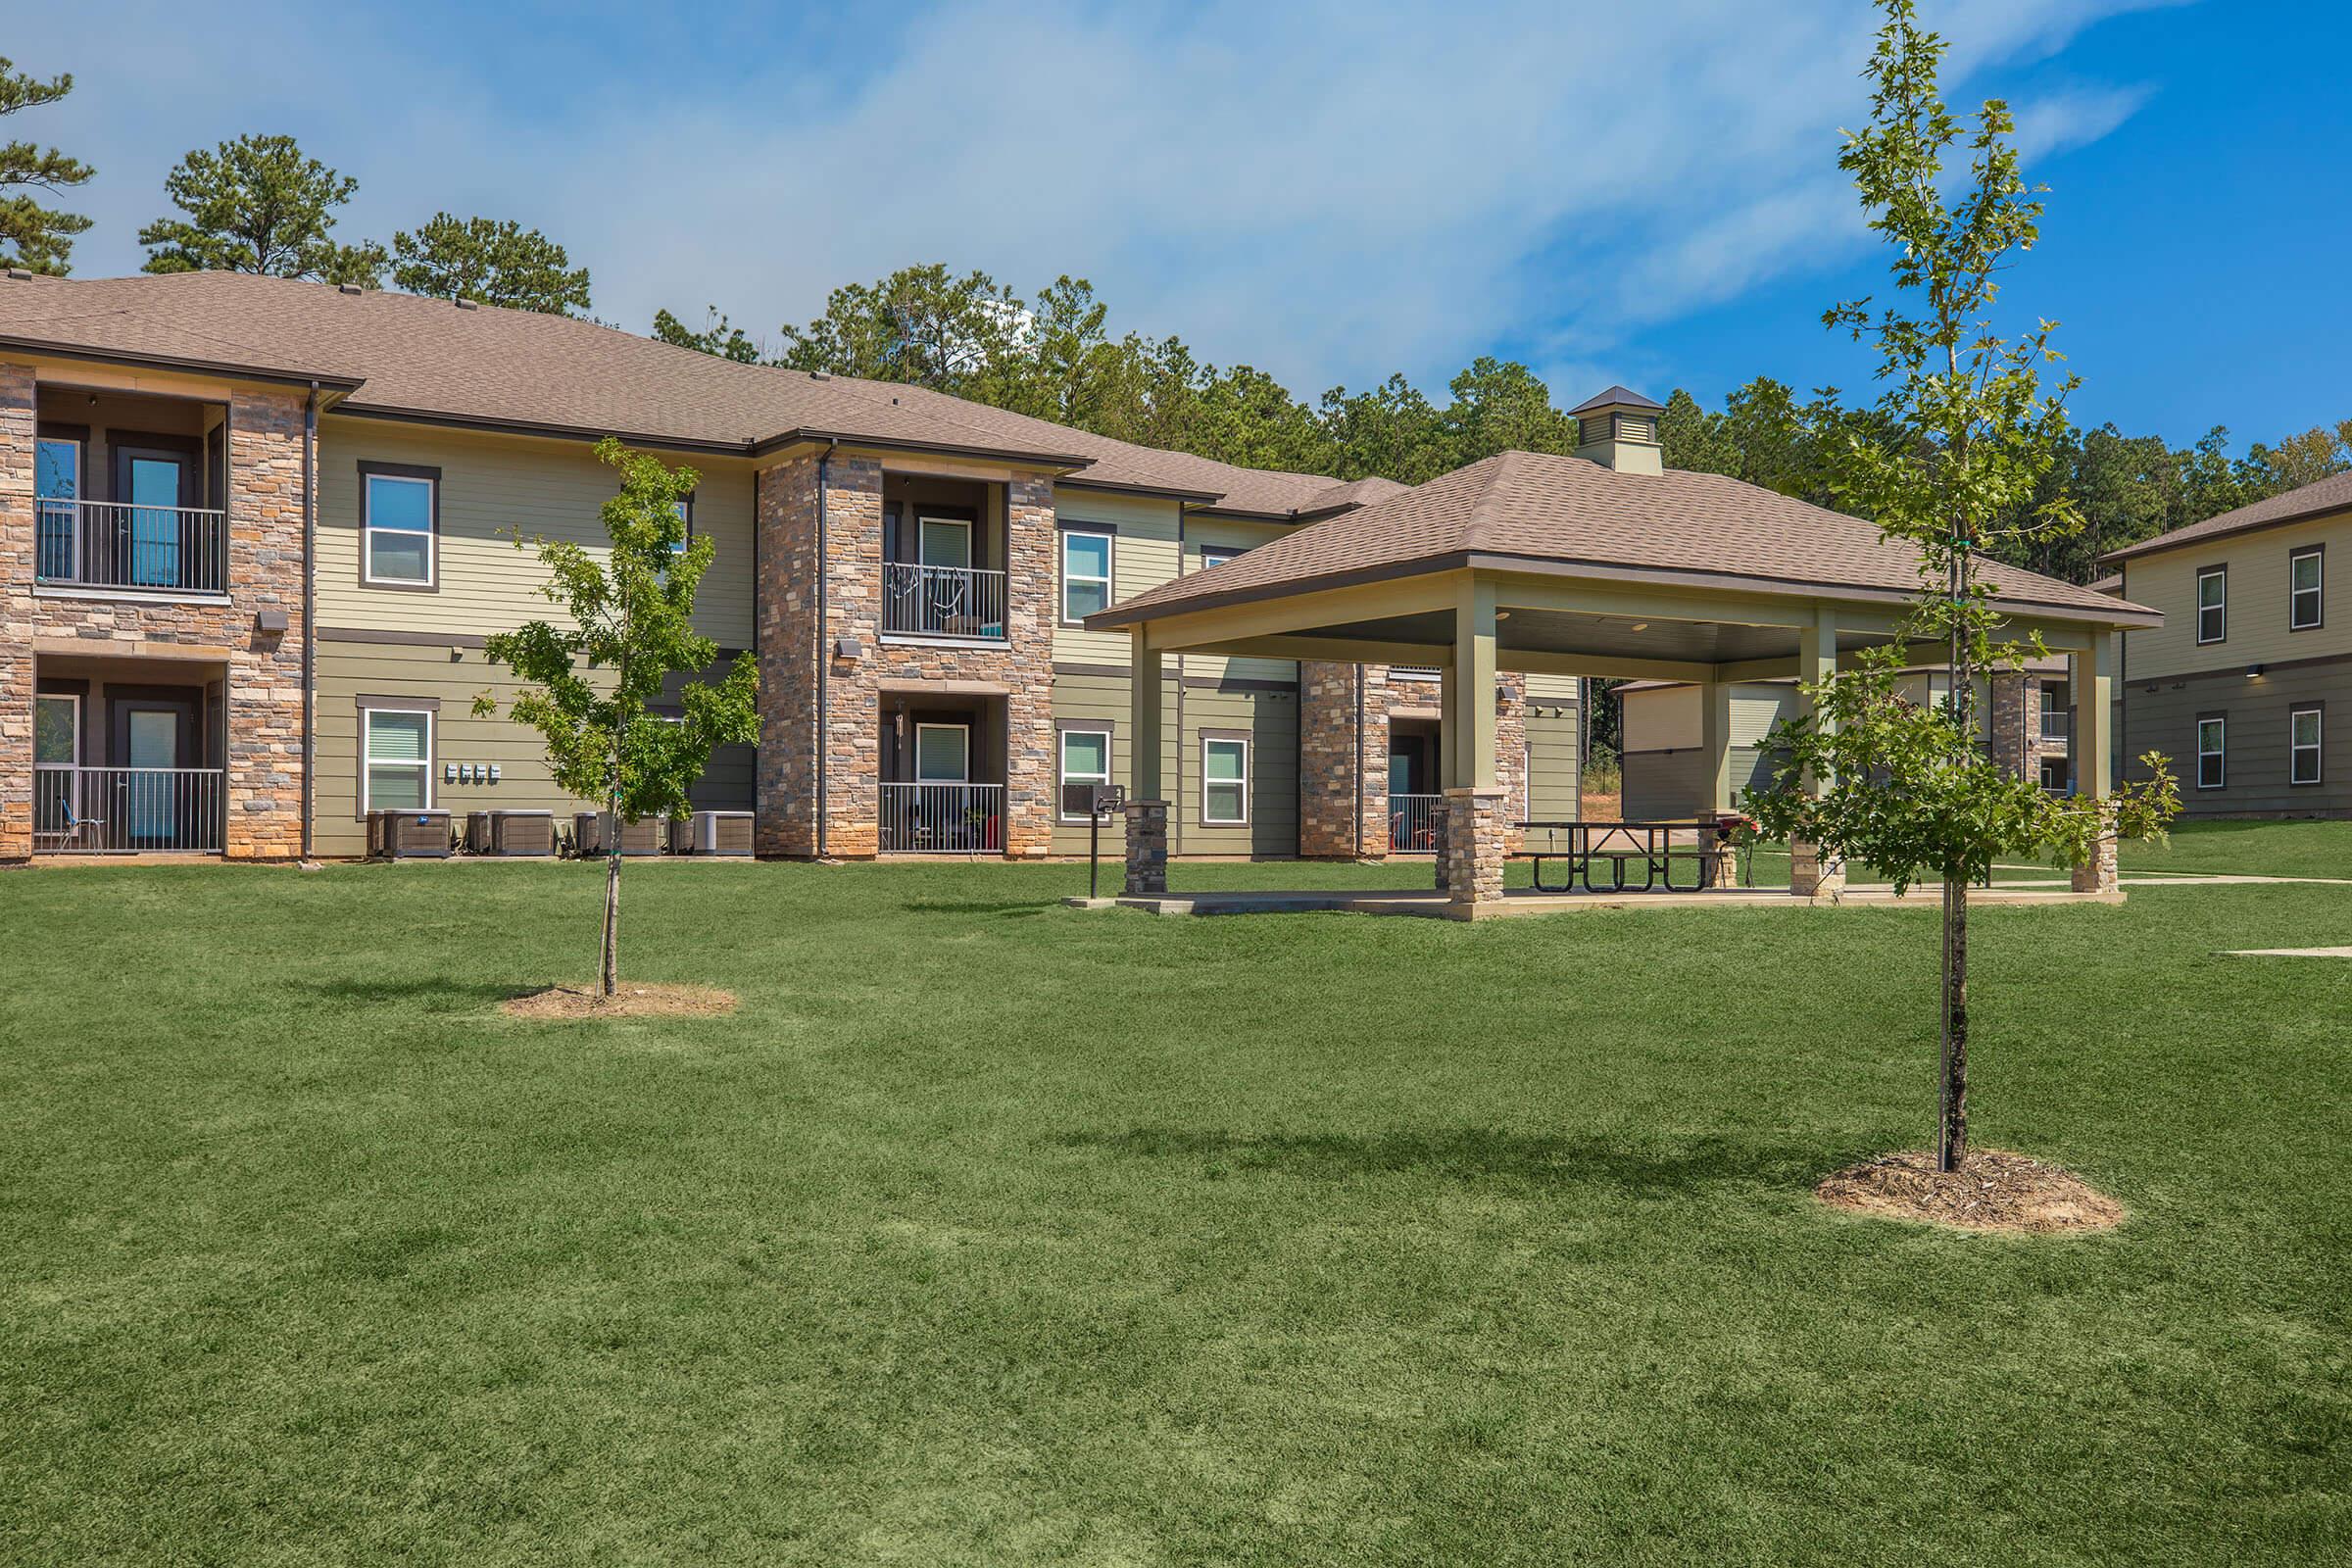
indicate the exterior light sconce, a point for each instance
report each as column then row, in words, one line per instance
column 1641, row 625
column 270, row 622
column 847, row 647
column 2253, row 672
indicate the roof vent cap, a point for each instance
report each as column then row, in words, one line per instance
column 21, row 273
column 351, row 288
column 820, row 375
column 468, row 305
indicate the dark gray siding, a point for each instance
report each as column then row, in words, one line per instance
column 2166, row 721
column 1672, row 785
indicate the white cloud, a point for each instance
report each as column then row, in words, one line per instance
column 1328, row 191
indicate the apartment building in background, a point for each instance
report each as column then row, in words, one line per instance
column 255, row 532
column 2247, row 686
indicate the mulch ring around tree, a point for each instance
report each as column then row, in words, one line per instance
column 576, row 1003
column 1995, row 1190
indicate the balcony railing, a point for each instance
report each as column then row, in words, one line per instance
column 2054, row 723
column 121, row 544
column 126, row 811
column 1413, row 823
column 943, row 819
column 943, row 601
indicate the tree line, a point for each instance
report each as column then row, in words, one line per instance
column 258, row 204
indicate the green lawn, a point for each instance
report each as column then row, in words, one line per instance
column 991, row 1232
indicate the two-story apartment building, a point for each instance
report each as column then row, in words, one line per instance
column 253, row 534
column 2247, row 686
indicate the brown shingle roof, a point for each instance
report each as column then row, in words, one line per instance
column 1564, row 510
column 428, row 359
column 2332, row 494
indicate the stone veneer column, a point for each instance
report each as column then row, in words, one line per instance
column 1031, row 574
column 1147, row 848
column 784, row 817
column 1329, row 767
column 2103, row 871
column 1814, row 872
column 1723, row 871
column 1473, row 848
column 265, row 572
column 16, row 424
column 1510, row 755
column 1438, row 817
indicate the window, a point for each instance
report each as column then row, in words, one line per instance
column 685, row 509
column 1084, row 763
column 944, row 542
column 2213, row 769
column 1218, row 554
column 2303, row 746
column 943, row 753
column 2213, row 604
column 57, row 489
column 400, row 760
column 2305, row 583
column 399, row 512
column 1224, row 779
column 56, row 748
column 1085, row 574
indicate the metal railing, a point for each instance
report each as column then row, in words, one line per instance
column 1413, row 823
column 128, row 810
column 943, row 601
column 2054, row 723
column 943, row 819
column 121, row 544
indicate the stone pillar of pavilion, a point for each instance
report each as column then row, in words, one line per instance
column 1146, row 808
column 2092, row 684
column 1472, row 850
column 1815, row 873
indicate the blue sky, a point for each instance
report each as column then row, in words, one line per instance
column 1643, row 193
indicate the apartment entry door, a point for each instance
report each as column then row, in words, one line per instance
column 153, row 734
column 157, row 482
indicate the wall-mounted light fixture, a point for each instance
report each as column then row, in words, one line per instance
column 2253, row 672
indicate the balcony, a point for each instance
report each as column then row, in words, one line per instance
column 1413, row 823
column 2054, row 723
column 117, row 544
column 942, row 602
column 943, row 819
column 128, row 810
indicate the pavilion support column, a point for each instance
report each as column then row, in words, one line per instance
column 1715, row 746
column 1815, row 873
column 1471, row 848
column 1147, row 810
column 2092, row 684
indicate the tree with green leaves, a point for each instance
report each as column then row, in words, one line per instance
column 920, row 325
column 719, row 337
column 1976, row 432
column 259, row 205
column 593, row 680
column 491, row 263
column 34, row 236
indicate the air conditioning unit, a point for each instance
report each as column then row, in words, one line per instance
column 711, row 833
column 592, row 835
column 523, row 833
column 408, row 835
column 478, row 832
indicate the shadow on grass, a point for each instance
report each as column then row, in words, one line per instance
column 1022, row 906
column 418, row 988
column 1476, row 1153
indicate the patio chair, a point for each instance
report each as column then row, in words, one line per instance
column 75, row 824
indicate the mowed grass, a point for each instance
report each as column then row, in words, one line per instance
column 991, row 1232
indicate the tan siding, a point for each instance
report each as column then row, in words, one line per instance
column 1551, row 741
column 491, row 487
column 1144, row 556
column 2258, row 586
column 1238, row 535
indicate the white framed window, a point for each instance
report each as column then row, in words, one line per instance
column 57, row 507
column 2303, row 730
column 1084, row 763
column 685, row 511
column 2213, row 604
column 1218, row 554
column 944, row 542
column 398, row 743
column 2306, row 589
column 943, row 753
column 1224, row 780
column 1086, row 565
column 398, row 515
column 2213, row 754
column 55, row 749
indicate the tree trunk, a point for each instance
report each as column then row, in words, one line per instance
column 1951, row 1128
column 608, row 970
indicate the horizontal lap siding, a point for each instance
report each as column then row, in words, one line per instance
column 492, row 487
column 2166, row 721
column 1270, row 717
column 1142, row 556
column 1551, row 745
column 348, row 670
column 2256, row 630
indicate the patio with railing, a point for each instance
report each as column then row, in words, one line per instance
column 943, row 601
column 943, row 819
column 1413, row 823
column 128, row 810
column 119, row 544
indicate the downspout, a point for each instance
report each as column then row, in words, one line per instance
column 1356, row 768
column 310, row 614
column 817, row 737
column 1176, row 798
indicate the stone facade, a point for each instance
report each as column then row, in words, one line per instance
column 261, row 671
column 1147, row 848
column 1474, row 851
column 1814, row 872
column 2013, row 733
column 2101, row 873
column 1344, row 769
column 859, row 664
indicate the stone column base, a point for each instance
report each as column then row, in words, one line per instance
column 1815, row 873
column 1473, row 851
column 1436, row 836
column 2101, row 873
column 1147, row 848
column 1723, row 871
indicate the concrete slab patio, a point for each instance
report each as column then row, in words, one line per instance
column 1435, row 903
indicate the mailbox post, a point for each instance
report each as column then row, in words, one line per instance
column 1110, row 800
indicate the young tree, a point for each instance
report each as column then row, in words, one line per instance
column 32, row 236
column 592, row 681
column 258, row 205
column 492, row 262
column 1971, row 433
